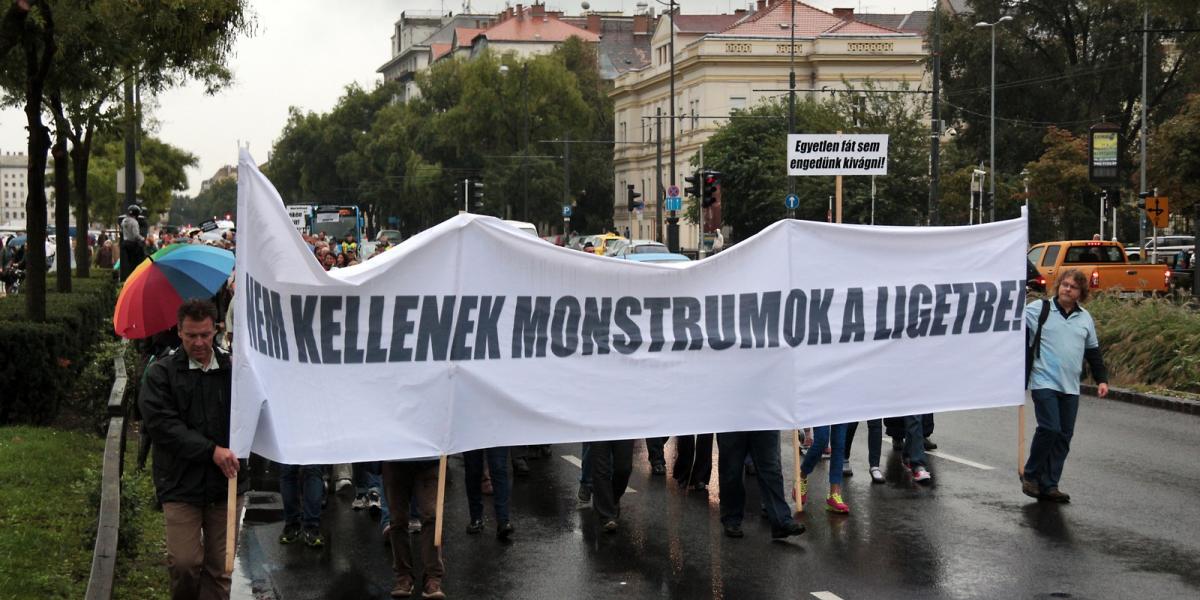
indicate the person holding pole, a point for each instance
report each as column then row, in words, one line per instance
column 1064, row 340
column 416, row 481
column 185, row 405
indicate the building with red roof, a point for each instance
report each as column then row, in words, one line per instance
column 723, row 63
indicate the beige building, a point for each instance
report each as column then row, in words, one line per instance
column 727, row 62
column 14, row 191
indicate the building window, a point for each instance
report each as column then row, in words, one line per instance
column 736, row 103
column 623, row 133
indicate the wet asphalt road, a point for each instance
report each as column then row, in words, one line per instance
column 1132, row 530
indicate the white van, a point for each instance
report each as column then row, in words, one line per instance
column 528, row 228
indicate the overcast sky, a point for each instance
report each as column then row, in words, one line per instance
column 305, row 52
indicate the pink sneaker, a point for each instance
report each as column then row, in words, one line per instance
column 834, row 504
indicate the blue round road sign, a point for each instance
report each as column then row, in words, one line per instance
column 791, row 202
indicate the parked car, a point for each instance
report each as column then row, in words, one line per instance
column 629, row 247
column 1034, row 281
column 660, row 258
column 528, row 228
column 1104, row 263
column 1167, row 246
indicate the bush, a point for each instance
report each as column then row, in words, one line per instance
column 37, row 360
column 1151, row 342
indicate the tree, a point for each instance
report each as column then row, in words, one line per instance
column 217, row 199
column 1067, row 63
column 1174, row 157
column 163, row 166
column 1062, row 195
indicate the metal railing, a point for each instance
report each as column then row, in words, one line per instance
column 104, row 556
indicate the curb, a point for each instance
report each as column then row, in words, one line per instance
column 1191, row 407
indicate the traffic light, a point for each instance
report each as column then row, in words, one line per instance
column 632, row 196
column 695, row 184
column 712, row 185
column 477, row 194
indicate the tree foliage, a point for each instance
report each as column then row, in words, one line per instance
column 750, row 152
column 1066, row 63
column 163, row 167
column 404, row 164
column 1174, row 159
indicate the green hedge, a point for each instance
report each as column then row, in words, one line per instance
column 39, row 360
column 1149, row 343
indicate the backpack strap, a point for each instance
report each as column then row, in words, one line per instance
column 1037, row 335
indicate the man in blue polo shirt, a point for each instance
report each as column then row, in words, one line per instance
column 1068, row 337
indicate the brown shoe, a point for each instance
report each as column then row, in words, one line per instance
column 1053, row 494
column 1030, row 488
column 433, row 589
column 403, row 588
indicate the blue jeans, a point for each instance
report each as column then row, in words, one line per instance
column 874, row 440
column 1056, row 413
column 821, row 438
column 585, row 471
column 497, row 461
column 302, row 489
column 914, row 440
column 763, row 446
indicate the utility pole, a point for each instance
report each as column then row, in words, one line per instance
column 935, row 149
column 658, row 193
column 566, row 173
column 1145, row 101
column 673, row 220
column 792, row 93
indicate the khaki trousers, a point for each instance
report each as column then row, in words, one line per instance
column 196, row 550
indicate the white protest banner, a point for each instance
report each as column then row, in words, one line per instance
column 474, row 335
column 837, row 154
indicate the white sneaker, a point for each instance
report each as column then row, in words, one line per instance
column 414, row 526
column 360, row 502
column 920, row 474
column 877, row 475
column 847, row 470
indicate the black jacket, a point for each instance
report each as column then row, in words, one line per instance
column 186, row 413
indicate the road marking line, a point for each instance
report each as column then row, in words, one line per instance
column 956, row 459
column 579, row 464
column 826, row 596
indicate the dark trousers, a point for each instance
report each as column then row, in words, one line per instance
column 874, row 440
column 497, row 462
column 896, row 427
column 302, row 490
column 417, row 480
column 1056, row 414
column 763, row 447
column 654, row 451
column 693, row 459
column 612, row 464
column 914, row 440
column 132, row 255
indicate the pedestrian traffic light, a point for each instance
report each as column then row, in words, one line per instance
column 632, row 196
column 477, row 193
column 695, row 184
column 712, row 185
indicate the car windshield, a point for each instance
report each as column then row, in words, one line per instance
column 334, row 225
column 648, row 249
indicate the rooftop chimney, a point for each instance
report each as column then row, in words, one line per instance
column 520, row 11
column 641, row 24
column 593, row 23
column 845, row 14
column 538, row 10
column 762, row 4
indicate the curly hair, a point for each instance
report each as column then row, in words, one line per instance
column 1078, row 278
column 197, row 309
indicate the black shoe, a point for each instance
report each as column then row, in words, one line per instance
column 778, row 532
column 658, row 469
column 751, row 469
column 1054, row 495
column 897, row 443
column 699, row 486
column 313, row 538
column 504, row 530
column 520, row 466
column 734, row 531
column 291, row 533
column 475, row 526
column 930, row 444
column 610, row 526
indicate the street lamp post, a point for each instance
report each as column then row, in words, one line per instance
column 524, row 138
column 992, row 135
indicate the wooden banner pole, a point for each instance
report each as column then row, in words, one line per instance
column 441, row 504
column 1021, row 440
column 796, row 470
column 230, row 524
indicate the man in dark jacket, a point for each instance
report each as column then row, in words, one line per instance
column 185, row 404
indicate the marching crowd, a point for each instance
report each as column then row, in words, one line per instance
column 192, row 459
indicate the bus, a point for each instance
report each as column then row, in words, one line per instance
column 336, row 222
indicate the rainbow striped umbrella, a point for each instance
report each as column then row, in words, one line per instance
column 153, row 292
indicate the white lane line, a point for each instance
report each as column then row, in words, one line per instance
column 826, row 596
column 579, row 464
column 969, row 463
